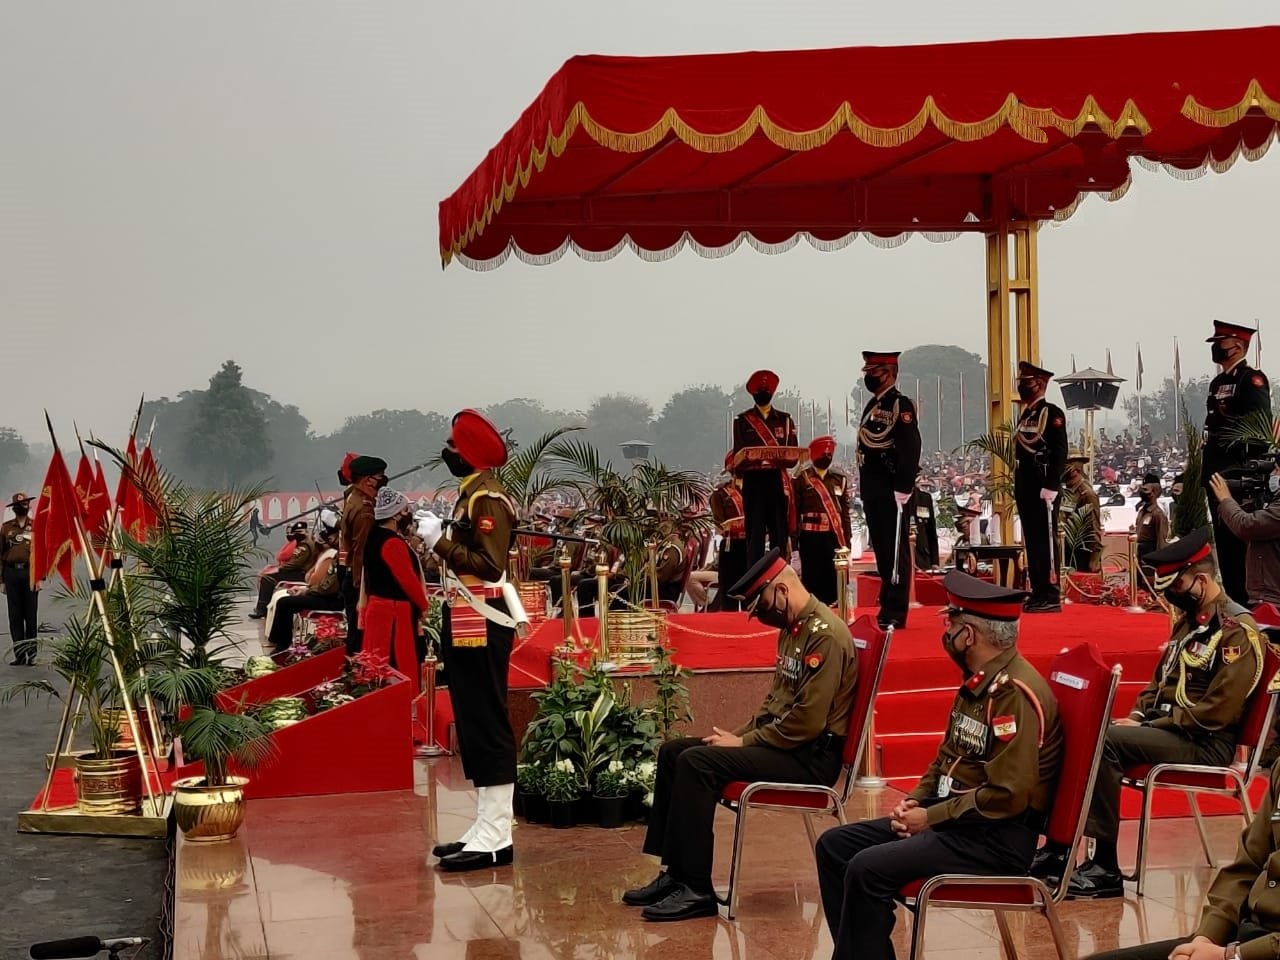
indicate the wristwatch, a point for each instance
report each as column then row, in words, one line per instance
column 1231, row 951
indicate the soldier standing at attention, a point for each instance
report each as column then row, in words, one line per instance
column 368, row 475
column 1234, row 394
column 1041, row 449
column 888, row 464
column 1086, row 555
column 766, row 492
column 822, row 519
column 15, row 580
column 727, row 512
column 1151, row 521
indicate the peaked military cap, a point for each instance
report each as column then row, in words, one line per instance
column 762, row 573
column 1230, row 331
column 967, row 594
column 1172, row 560
column 1027, row 371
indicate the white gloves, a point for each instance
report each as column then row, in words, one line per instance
column 1048, row 495
column 430, row 529
column 902, row 498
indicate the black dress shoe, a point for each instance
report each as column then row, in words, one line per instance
column 477, row 860
column 682, row 903
column 1092, row 882
column 651, row 892
column 896, row 624
column 1042, row 606
column 1048, row 865
column 442, row 850
column 257, row 614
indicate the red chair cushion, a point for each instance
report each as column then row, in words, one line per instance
column 1206, row 780
column 972, row 893
column 801, row 800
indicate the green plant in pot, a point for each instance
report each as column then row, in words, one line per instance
column 562, row 786
column 192, row 571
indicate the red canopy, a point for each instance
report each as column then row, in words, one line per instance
column 658, row 152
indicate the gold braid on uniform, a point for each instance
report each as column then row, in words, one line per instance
column 871, row 443
column 1027, row 445
column 1201, row 661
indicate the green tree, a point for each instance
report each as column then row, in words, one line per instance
column 226, row 442
column 527, row 419
column 14, row 454
column 614, row 419
column 930, row 364
column 692, row 431
column 1158, row 407
column 401, row 437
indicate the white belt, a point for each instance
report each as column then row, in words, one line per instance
column 515, row 619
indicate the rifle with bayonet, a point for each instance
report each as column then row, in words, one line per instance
column 268, row 527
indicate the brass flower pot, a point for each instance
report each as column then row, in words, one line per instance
column 635, row 635
column 110, row 786
column 204, row 813
column 120, row 720
column 533, row 596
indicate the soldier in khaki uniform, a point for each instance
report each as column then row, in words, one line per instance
column 980, row 806
column 1151, row 520
column 368, row 475
column 22, row 596
column 822, row 519
column 1190, row 712
column 293, row 570
column 1082, row 501
column 1241, row 915
column 796, row 736
column 727, row 512
column 476, row 648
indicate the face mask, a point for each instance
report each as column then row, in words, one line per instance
column 457, row 466
column 873, row 382
column 382, row 482
column 762, row 398
column 1273, row 483
column 405, row 525
column 1219, row 353
column 1184, row 600
column 823, row 462
column 957, row 655
column 21, row 511
column 1026, row 392
column 774, row 615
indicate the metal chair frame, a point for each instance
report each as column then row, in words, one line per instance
column 835, row 799
column 1043, row 898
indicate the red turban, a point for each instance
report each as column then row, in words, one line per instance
column 478, row 440
column 822, row 447
column 762, row 380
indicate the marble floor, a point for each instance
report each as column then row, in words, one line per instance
column 352, row 877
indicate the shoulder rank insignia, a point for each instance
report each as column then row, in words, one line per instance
column 975, row 681
column 1004, row 727
column 813, row 661
column 1001, row 679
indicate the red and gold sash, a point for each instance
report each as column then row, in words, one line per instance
column 737, row 525
column 761, row 428
column 829, row 505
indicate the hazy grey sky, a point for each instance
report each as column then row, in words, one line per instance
column 186, row 182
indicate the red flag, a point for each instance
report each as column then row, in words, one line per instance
column 93, row 504
column 53, row 537
column 149, row 477
column 100, row 486
column 132, row 519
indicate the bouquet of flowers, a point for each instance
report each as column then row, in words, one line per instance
column 612, row 781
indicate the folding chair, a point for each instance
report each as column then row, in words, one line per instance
column 871, row 645
column 1085, row 690
column 1194, row 779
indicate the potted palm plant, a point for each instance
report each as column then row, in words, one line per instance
column 1000, row 447
column 192, row 570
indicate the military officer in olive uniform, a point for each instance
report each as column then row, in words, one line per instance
column 796, row 736
column 1241, row 916
column 766, row 492
column 727, row 512
column 669, row 565
column 293, row 570
column 1041, row 451
column 368, row 475
column 477, row 636
column 22, row 595
column 1081, row 500
column 822, row 519
column 888, row 464
column 980, row 806
column 1234, row 394
column 925, row 517
column 1190, row 712
column 1151, row 521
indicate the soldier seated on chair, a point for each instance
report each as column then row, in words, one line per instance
column 1241, row 915
column 1190, row 712
column 980, row 806
column 796, row 736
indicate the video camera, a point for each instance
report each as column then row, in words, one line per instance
column 1248, row 481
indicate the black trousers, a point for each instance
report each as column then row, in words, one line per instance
column 23, row 612
column 817, row 564
column 862, row 866
column 350, row 594
column 730, row 568
column 690, row 777
column 1039, row 540
column 268, row 582
column 478, row 689
column 764, row 511
column 281, row 635
column 1160, row 950
column 881, row 510
column 1231, row 556
column 1126, row 747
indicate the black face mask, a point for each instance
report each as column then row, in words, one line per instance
column 822, row 463
column 21, row 511
column 762, row 397
column 382, row 482
column 1185, row 600
column 457, row 466
column 1026, row 392
column 774, row 616
column 957, row 656
column 1219, row 353
column 405, row 526
column 872, row 382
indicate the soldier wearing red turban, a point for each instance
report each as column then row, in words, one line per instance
column 822, row 519
column 766, row 493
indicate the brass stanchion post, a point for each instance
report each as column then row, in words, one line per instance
column 912, row 602
column 430, row 749
column 568, row 613
column 842, row 582
column 1134, row 606
column 602, row 610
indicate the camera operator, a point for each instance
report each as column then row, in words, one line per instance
column 1258, row 481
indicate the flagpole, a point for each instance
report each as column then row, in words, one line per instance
column 938, row 416
column 962, row 439
column 1177, row 389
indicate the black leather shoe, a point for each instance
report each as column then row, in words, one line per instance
column 257, row 614
column 442, row 850
column 896, row 624
column 1048, row 865
column 651, row 892
column 682, row 903
column 1042, row 606
column 477, row 860
column 1092, row 882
